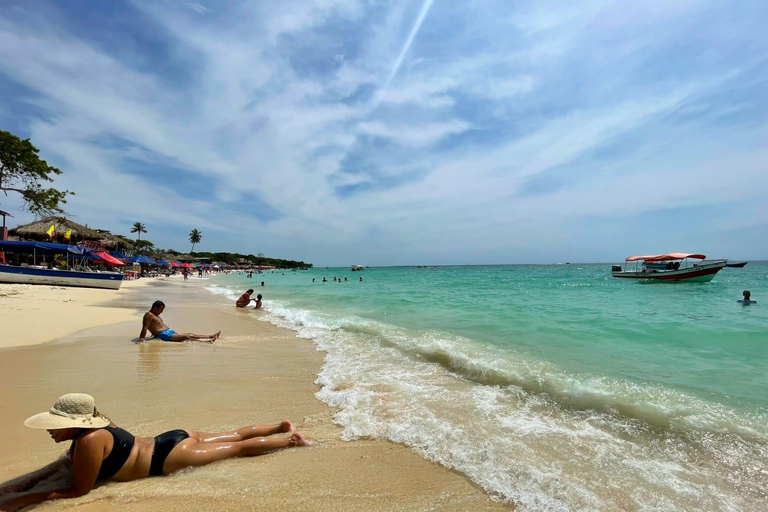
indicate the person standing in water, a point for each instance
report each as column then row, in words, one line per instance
column 746, row 300
column 101, row 450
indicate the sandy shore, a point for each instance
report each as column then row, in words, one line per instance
column 257, row 373
column 33, row 314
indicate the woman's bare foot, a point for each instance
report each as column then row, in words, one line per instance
column 285, row 426
column 297, row 439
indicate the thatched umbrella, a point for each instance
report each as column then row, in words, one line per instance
column 38, row 230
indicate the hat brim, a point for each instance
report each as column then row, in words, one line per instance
column 48, row 421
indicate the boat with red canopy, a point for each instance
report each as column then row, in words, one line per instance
column 672, row 267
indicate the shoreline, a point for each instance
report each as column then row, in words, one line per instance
column 257, row 372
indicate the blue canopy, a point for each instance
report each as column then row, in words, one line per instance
column 163, row 263
column 141, row 259
column 118, row 255
column 44, row 246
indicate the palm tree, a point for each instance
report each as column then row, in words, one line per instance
column 139, row 228
column 195, row 236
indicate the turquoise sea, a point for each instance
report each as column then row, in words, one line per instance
column 556, row 387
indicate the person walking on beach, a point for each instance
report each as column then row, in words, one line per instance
column 101, row 450
column 154, row 324
column 245, row 299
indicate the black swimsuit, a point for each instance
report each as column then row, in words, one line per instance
column 121, row 450
column 164, row 443
column 123, row 444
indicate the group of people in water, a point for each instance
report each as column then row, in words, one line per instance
column 101, row 451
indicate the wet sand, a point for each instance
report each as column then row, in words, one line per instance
column 257, row 373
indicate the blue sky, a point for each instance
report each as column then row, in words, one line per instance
column 402, row 132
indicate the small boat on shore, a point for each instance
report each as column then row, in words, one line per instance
column 673, row 267
column 736, row 264
column 33, row 263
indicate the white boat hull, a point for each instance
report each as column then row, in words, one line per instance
column 27, row 275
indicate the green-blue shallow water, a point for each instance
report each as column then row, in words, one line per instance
column 672, row 377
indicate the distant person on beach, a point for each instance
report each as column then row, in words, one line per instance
column 746, row 300
column 245, row 299
column 258, row 302
column 154, row 324
column 101, row 450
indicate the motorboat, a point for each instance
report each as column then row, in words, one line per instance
column 356, row 268
column 736, row 264
column 53, row 264
column 673, row 267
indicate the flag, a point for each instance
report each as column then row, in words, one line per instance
column 51, row 230
column 68, row 234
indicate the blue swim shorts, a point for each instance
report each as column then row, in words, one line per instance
column 165, row 335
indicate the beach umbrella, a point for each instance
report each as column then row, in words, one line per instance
column 106, row 258
column 142, row 259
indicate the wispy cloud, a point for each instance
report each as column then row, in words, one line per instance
column 397, row 132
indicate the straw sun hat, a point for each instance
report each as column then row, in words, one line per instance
column 73, row 410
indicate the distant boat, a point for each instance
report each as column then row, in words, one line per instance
column 736, row 264
column 673, row 267
column 356, row 268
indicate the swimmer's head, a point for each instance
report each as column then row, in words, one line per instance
column 158, row 305
column 746, row 294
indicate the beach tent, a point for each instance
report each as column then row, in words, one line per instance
column 163, row 263
column 15, row 246
column 142, row 259
column 175, row 264
column 106, row 258
column 187, row 265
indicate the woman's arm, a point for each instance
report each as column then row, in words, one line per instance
column 30, row 480
column 85, row 469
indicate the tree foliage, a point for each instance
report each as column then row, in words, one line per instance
column 143, row 247
column 139, row 228
column 24, row 172
column 195, row 237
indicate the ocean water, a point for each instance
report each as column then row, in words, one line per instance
column 555, row 387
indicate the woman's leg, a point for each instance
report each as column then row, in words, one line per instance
column 243, row 433
column 191, row 453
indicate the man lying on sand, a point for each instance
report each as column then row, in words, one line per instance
column 102, row 451
column 154, row 324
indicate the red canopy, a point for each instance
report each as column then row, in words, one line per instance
column 109, row 260
column 174, row 264
column 187, row 265
column 667, row 257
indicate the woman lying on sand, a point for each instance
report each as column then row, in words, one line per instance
column 102, row 451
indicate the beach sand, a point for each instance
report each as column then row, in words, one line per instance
column 257, row 373
column 34, row 314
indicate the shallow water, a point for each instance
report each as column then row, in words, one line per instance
column 557, row 387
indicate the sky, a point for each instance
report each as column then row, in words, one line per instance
column 401, row 132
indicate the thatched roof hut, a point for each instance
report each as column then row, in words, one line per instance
column 112, row 242
column 38, row 230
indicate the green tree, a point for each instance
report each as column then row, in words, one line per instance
column 139, row 228
column 22, row 171
column 195, row 237
column 144, row 247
